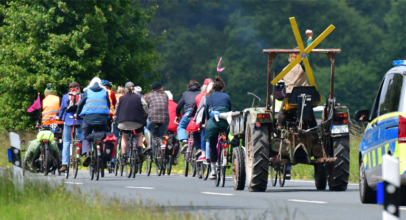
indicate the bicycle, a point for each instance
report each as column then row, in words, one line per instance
column 74, row 160
column 223, row 158
column 191, row 158
column 96, row 166
column 278, row 170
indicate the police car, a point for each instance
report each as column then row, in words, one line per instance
column 385, row 132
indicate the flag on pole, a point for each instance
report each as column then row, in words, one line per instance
column 36, row 105
column 218, row 66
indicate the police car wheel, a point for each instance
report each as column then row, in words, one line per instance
column 366, row 193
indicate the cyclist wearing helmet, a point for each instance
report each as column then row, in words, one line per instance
column 66, row 112
column 218, row 101
column 131, row 115
column 94, row 107
column 158, row 115
column 112, row 98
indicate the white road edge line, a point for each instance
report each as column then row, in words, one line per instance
column 219, row 194
column 75, row 183
column 138, row 187
column 403, row 208
column 306, row 201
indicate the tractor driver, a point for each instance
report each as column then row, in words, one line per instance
column 295, row 77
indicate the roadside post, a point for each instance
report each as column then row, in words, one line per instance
column 388, row 192
column 14, row 157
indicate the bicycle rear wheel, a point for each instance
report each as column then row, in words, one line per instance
column 67, row 169
column 135, row 162
column 223, row 167
column 139, row 167
column 130, row 162
column 91, row 167
column 186, row 163
column 169, row 164
column 218, row 169
column 46, row 161
column 193, row 162
column 282, row 174
column 148, row 163
column 96, row 165
column 116, row 166
column 162, row 164
column 75, row 167
column 206, row 171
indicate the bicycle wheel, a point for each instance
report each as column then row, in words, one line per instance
column 135, row 162
column 274, row 173
column 169, row 164
column 148, row 163
column 162, row 163
column 91, row 167
column 75, row 167
column 130, row 161
column 67, row 170
column 223, row 167
column 139, row 167
column 101, row 167
column 116, row 166
column 218, row 171
column 156, row 158
column 46, row 161
column 193, row 162
column 282, row 174
column 206, row 171
column 186, row 163
column 96, row 163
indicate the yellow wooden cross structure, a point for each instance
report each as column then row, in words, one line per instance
column 303, row 53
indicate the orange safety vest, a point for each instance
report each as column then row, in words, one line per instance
column 111, row 103
column 50, row 107
column 118, row 95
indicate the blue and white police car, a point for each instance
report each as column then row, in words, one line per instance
column 385, row 132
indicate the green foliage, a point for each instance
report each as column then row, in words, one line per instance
column 369, row 33
column 58, row 42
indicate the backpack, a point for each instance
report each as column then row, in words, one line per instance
column 73, row 100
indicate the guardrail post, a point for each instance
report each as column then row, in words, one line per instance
column 14, row 157
column 391, row 188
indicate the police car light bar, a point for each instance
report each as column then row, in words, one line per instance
column 399, row 62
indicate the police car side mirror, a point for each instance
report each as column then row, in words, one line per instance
column 362, row 115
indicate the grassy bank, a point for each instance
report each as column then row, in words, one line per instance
column 42, row 199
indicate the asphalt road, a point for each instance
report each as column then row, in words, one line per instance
column 296, row 200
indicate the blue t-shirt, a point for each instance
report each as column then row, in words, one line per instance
column 63, row 115
column 220, row 99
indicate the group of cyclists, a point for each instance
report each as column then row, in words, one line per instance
column 127, row 112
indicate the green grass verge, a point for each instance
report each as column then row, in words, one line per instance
column 43, row 199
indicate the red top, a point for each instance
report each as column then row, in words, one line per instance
column 172, row 115
column 193, row 127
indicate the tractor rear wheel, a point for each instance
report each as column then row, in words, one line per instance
column 339, row 170
column 256, row 156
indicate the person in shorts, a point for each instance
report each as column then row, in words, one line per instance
column 131, row 115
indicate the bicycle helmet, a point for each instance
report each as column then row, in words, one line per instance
column 104, row 82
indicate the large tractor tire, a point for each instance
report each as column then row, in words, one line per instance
column 256, row 157
column 339, row 170
column 366, row 193
column 320, row 176
column 238, row 168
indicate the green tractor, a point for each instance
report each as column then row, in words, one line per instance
column 267, row 150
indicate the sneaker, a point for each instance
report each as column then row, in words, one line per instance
column 206, row 162
column 175, row 161
column 184, row 147
column 201, row 159
column 124, row 159
column 63, row 168
column 287, row 176
column 198, row 153
column 87, row 161
column 146, row 150
column 213, row 176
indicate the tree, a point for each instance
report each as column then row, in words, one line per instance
column 55, row 41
